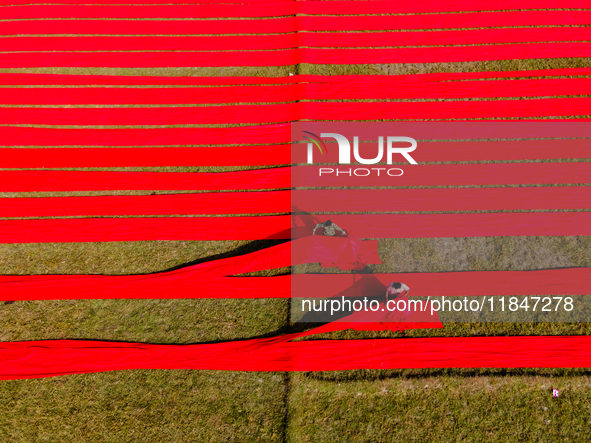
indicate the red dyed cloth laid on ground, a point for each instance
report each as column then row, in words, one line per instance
column 49, row 358
column 37, row 359
column 370, row 226
column 205, row 280
column 283, row 25
column 253, row 114
column 259, row 8
column 287, row 57
column 190, row 282
column 568, row 281
column 294, row 39
column 345, row 253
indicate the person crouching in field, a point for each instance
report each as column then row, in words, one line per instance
column 394, row 289
column 328, row 229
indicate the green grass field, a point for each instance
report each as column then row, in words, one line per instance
column 355, row 406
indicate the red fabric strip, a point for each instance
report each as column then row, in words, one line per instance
column 356, row 7
column 49, row 181
column 99, row 96
column 372, row 200
column 455, row 175
column 445, row 54
column 476, row 130
column 144, row 229
column 293, row 56
column 417, row 175
column 572, row 281
column 268, row 9
column 293, row 40
column 350, row 89
column 175, row 204
column 149, row 27
column 18, row 136
column 433, row 38
column 149, row 2
column 236, row 43
column 154, row 157
column 207, row 280
column 452, row 225
column 393, row 7
column 257, row 9
column 64, row 79
column 49, row 358
column 149, row 287
column 472, row 151
column 153, row 116
column 572, row 197
column 293, row 24
column 389, row 89
column 280, row 155
column 280, row 113
column 278, row 227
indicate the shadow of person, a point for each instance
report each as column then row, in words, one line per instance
column 253, row 246
column 302, row 223
column 367, row 286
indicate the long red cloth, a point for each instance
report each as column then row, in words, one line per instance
column 314, row 201
column 451, row 175
column 261, row 8
column 455, row 225
column 281, row 155
column 570, row 281
column 20, row 136
column 242, row 114
column 274, row 155
column 131, row 80
column 144, row 229
column 213, row 280
column 267, row 9
column 160, row 2
column 401, row 200
column 59, row 357
column 206, row 280
column 352, row 7
column 294, row 40
column 293, row 24
column 48, row 181
column 417, row 175
column 153, row 157
column 171, row 204
column 274, row 133
column 279, row 227
column 350, row 89
column 287, row 57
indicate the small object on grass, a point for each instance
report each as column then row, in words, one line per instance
column 555, row 393
column 9, row 302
